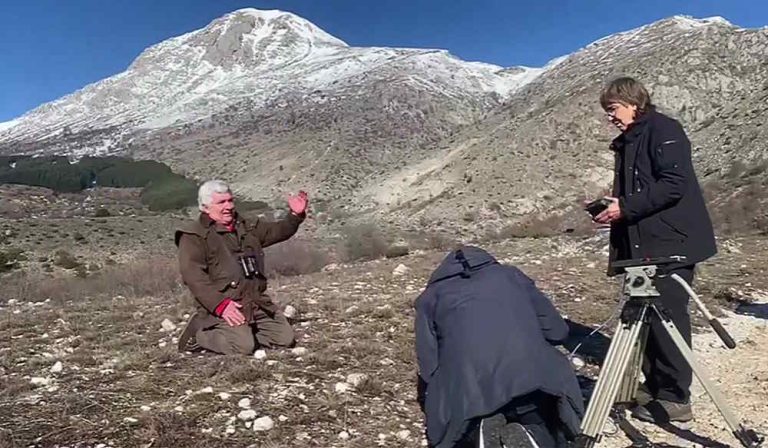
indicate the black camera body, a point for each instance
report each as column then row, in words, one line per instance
column 597, row 206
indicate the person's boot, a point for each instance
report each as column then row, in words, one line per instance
column 497, row 433
column 663, row 411
column 188, row 339
column 643, row 395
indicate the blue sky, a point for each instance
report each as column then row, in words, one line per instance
column 49, row 48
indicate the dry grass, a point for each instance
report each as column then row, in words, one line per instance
column 116, row 359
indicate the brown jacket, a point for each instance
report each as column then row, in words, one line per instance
column 208, row 260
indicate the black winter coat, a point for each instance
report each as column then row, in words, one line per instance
column 659, row 195
column 484, row 336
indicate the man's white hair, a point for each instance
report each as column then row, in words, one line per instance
column 205, row 192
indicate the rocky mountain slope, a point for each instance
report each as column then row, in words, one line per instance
column 417, row 138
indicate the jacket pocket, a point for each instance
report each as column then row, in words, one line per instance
column 656, row 228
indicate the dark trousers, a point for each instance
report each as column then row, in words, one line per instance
column 537, row 412
column 667, row 375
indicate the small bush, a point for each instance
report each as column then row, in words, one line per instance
column 294, row 257
column 363, row 241
column 9, row 259
column 66, row 260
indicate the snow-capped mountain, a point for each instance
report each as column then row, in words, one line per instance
column 250, row 55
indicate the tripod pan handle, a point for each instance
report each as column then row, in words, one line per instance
column 720, row 330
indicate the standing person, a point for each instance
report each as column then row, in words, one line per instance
column 657, row 209
column 488, row 367
column 221, row 259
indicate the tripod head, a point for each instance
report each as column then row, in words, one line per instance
column 639, row 274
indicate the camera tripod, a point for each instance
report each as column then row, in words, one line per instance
column 619, row 377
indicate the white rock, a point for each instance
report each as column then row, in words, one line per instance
column 145, row 408
column 162, row 344
column 12, row 301
column 206, row 430
column 168, row 325
column 577, row 362
column 130, row 420
column 289, row 312
column 260, row 354
column 341, row 387
column 344, row 435
column 351, row 309
column 271, row 362
column 246, row 415
column 263, row 424
column 206, row 390
column 230, row 430
column 404, row 434
column 401, row 269
column 283, row 418
column 356, row 379
column 39, row 381
column 58, row 367
column 224, row 396
column 245, row 403
column 179, row 409
column 299, row 351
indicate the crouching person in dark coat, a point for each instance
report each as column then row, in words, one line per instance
column 489, row 373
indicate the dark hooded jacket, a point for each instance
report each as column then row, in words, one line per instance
column 484, row 336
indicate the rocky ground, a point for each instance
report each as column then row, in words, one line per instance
column 92, row 362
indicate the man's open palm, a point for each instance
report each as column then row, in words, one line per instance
column 298, row 203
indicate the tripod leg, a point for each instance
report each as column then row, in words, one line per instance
column 747, row 437
column 613, row 370
column 628, row 390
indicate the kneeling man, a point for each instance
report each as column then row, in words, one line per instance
column 221, row 259
column 488, row 368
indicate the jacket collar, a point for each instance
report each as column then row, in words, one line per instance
column 209, row 223
column 635, row 129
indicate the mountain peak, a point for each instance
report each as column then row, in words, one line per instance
column 689, row 22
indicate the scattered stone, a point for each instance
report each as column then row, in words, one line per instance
column 230, row 430
column 206, row 390
column 263, row 424
column 299, row 351
column 130, row 420
column 224, row 396
column 179, row 409
column 245, row 415
column 57, row 367
column 244, row 403
column 400, row 270
column 404, row 434
column 351, row 309
column 282, row 418
column 289, row 312
column 271, row 362
column 260, row 354
column 145, row 408
column 167, row 325
column 344, row 435
column 39, row 381
column 341, row 387
column 355, row 379
column 330, row 267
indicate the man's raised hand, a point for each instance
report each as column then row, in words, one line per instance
column 232, row 314
column 298, row 203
